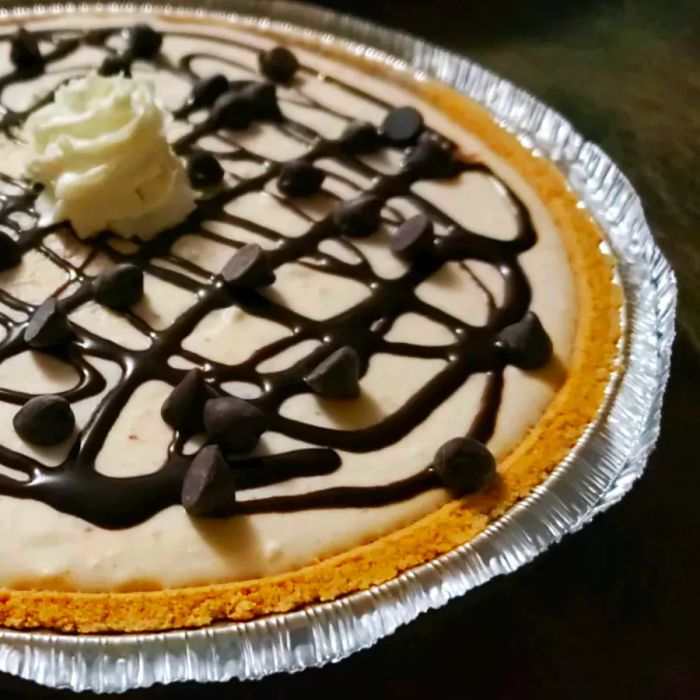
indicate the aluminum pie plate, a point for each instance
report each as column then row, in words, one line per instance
column 602, row 468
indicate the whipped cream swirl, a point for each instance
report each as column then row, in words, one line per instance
column 101, row 153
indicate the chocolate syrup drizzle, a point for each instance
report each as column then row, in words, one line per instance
column 75, row 486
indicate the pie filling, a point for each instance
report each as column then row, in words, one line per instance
column 346, row 315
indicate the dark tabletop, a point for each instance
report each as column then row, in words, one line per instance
column 613, row 611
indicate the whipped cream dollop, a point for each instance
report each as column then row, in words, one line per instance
column 101, row 152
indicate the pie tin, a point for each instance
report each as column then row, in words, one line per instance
column 610, row 456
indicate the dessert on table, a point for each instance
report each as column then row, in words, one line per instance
column 278, row 322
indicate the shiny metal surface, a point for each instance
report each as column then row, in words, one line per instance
column 598, row 473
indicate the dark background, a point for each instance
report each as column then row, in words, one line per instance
column 613, row 611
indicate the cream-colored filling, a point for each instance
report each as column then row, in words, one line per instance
column 171, row 549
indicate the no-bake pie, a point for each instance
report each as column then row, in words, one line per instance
column 279, row 321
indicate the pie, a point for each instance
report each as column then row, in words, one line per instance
column 280, row 321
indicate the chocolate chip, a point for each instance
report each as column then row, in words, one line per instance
column 262, row 100
column 360, row 137
column 413, row 238
column 278, row 64
column 120, row 287
column 204, row 170
column 337, row 377
column 207, row 90
column 48, row 326
column 300, row 179
column 115, row 64
column 231, row 111
column 248, row 268
column 184, row 407
column 526, row 344
column 144, row 41
column 209, row 486
column 464, row 465
column 233, row 424
column 10, row 254
column 432, row 159
column 45, row 420
column 403, row 125
column 24, row 51
column 359, row 217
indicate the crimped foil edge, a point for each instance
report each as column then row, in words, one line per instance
column 602, row 468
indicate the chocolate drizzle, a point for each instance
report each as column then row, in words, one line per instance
column 75, row 486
